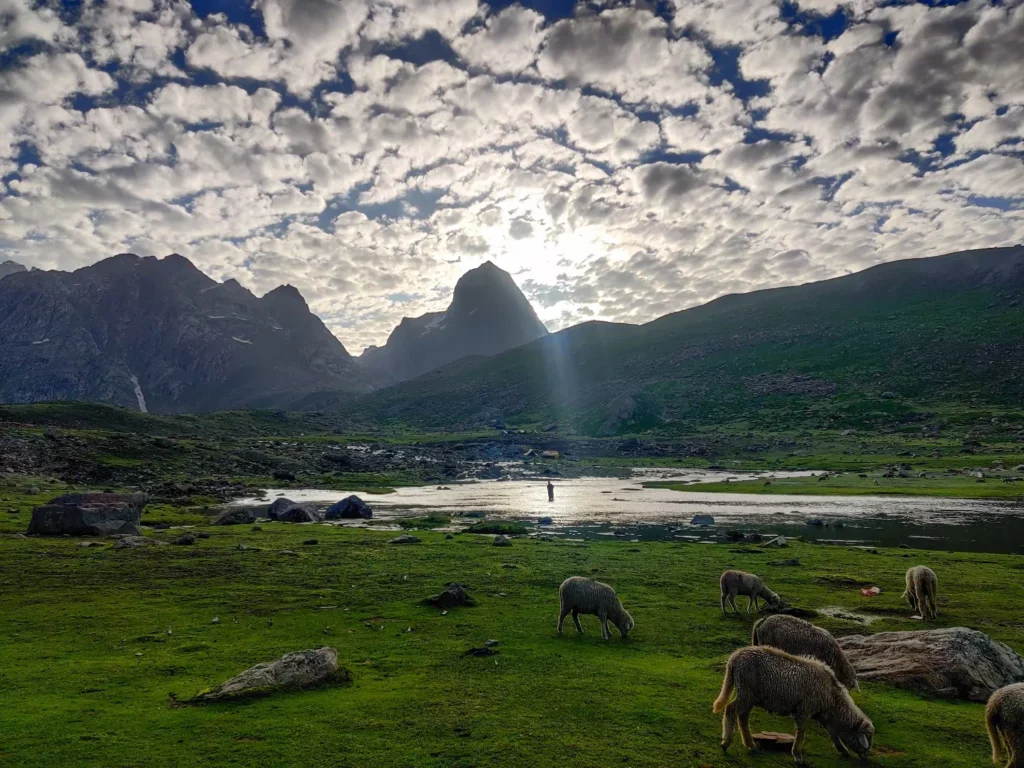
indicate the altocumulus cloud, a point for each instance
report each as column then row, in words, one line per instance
column 622, row 161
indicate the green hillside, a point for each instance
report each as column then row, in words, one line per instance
column 891, row 345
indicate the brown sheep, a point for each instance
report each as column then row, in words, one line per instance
column 581, row 595
column 922, row 590
column 801, row 638
column 1004, row 718
column 740, row 583
column 783, row 684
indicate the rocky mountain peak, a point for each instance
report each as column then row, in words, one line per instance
column 10, row 268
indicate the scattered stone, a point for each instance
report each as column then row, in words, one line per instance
column 243, row 547
column 448, row 536
column 310, row 542
column 702, row 520
column 350, row 508
column 734, row 535
column 89, row 514
column 817, row 522
column 453, row 596
column 203, row 535
column 216, row 620
column 405, row 539
column 778, row 541
column 288, row 553
column 481, row 652
column 509, row 565
column 501, row 541
column 133, row 542
column 795, row 561
column 490, row 643
column 774, row 742
column 293, row 671
column 88, row 544
column 240, row 516
column 283, row 475
column 185, row 541
column 954, row 662
column 545, row 521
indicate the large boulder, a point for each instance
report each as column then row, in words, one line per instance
column 955, row 662
column 292, row 671
column 350, row 508
column 299, row 513
column 279, row 506
column 238, row 516
column 454, row 595
column 89, row 514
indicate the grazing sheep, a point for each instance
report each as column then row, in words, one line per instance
column 801, row 638
column 581, row 595
column 922, row 589
column 800, row 687
column 1004, row 718
column 740, row 583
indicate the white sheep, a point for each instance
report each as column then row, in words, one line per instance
column 922, row 590
column 801, row 638
column 1004, row 718
column 741, row 583
column 581, row 595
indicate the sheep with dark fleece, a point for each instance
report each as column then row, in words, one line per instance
column 801, row 638
column 783, row 684
column 581, row 595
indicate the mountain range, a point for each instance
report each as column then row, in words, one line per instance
column 158, row 334
column 859, row 350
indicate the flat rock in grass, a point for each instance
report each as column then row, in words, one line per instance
column 405, row 539
column 310, row 542
column 88, row 514
column 135, row 542
column 185, row 541
column 774, row 742
column 953, row 662
column 240, row 516
column 501, row 541
column 453, row 596
column 481, row 652
column 293, row 671
column 350, row 508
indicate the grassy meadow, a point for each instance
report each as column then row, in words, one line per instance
column 99, row 647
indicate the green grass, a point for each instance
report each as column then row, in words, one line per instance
column 94, row 643
column 958, row 487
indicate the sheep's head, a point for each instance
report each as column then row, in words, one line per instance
column 624, row 623
column 774, row 601
column 859, row 738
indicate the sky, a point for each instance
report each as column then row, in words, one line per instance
column 621, row 160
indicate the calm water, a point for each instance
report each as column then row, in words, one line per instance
column 599, row 507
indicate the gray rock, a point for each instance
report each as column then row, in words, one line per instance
column 350, row 508
column 299, row 513
column 292, row 671
column 240, row 516
column 284, row 475
column 544, row 521
column 501, row 541
column 278, row 507
column 453, row 596
column 185, row 541
column 702, row 520
column 88, row 514
column 134, row 542
column 288, row 553
column 954, row 662
column 405, row 539
column 202, row 535
column 448, row 536
column 310, row 542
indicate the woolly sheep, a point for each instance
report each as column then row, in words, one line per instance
column 581, row 595
column 1004, row 718
column 740, row 583
column 922, row 590
column 801, row 638
column 783, row 684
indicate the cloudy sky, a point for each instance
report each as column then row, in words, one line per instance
column 621, row 160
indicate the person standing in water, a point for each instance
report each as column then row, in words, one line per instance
column 551, row 491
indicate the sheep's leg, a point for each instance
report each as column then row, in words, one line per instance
column 732, row 602
column 838, row 744
column 605, row 634
column 798, row 745
column 750, row 602
column 561, row 618
column 728, row 725
column 576, row 620
column 723, row 601
column 748, row 739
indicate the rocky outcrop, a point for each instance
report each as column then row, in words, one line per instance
column 453, row 596
column 299, row 513
column 10, row 268
column 293, row 671
column 159, row 335
column 954, row 662
column 88, row 514
column 350, row 508
column 488, row 315
column 240, row 516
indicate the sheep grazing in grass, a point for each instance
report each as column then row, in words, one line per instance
column 581, row 595
column 801, row 638
column 922, row 590
column 803, row 688
column 740, row 583
column 1004, row 718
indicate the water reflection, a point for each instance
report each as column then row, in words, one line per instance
column 608, row 507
